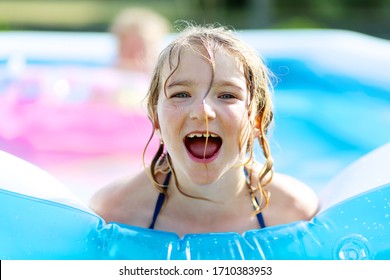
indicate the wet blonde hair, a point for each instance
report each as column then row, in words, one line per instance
column 208, row 40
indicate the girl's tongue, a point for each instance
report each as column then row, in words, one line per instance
column 198, row 148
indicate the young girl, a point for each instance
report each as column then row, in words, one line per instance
column 208, row 101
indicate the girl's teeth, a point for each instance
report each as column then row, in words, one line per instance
column 192, row 135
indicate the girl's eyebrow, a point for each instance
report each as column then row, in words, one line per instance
column 180, row 83
column 226, row 83
column 190, row 83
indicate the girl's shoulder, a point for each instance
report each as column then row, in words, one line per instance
column 127, row 201
column 290, row 200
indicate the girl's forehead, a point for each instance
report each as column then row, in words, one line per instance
column 200, row 51
column 188, row 57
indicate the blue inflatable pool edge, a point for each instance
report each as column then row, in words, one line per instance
column 43, row 228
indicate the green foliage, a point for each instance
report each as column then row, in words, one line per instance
column 368, row 16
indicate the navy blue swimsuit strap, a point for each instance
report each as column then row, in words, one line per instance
column 260, row 217
column 160, row 201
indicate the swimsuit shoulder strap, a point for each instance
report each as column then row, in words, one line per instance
column 261, row 220
column 260, row 217
column 160, row 201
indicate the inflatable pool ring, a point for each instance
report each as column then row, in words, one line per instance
column 42, row 220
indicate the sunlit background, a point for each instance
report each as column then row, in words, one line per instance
column 332, row 97
column 367, row 16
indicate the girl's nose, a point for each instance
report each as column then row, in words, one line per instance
column 202, row 110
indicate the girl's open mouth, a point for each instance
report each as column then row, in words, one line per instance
column 203, row 145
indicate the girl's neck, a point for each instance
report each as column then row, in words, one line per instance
column 221, row 199
column 228, row 187
column 228, row 212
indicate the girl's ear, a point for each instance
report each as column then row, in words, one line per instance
column 154, row 117
column 157, row 127
column 256, row 128
column 156, row 124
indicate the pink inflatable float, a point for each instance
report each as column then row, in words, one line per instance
column 74, row 113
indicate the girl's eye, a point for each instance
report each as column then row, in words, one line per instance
column 226, row 96
column 180, row 95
